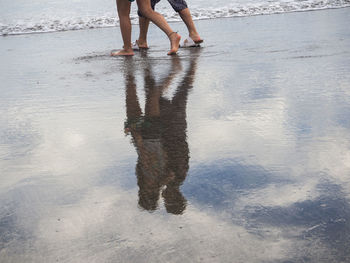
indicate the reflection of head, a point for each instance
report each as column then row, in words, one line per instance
column 148, row 188
column 148, row 199
column 175, row 202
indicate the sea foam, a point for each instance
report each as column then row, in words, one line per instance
column 48, row 24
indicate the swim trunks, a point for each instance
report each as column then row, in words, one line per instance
column 177, row 5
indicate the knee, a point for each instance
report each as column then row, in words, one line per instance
column 145, row 11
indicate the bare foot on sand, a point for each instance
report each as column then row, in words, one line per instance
column 196, row 38
column 174, row 43
column 123, row 52
column 141, row 44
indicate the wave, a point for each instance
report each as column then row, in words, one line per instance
column 110, row 20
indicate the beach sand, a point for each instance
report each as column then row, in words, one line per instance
column 244, row 158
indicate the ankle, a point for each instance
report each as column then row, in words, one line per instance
column 128, row 49
column 142, row 41
column 173, row 35
column 193, row 34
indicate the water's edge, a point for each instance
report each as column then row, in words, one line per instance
column 49, row 25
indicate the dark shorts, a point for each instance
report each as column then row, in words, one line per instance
column 177, row 5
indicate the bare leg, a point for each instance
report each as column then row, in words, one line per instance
column 123, row 7
column 159, row 20
column 144, row 23
column 187, row 18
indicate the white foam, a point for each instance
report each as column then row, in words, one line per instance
column 54, row 25
column 109, row 20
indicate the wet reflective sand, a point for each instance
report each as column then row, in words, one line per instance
column 235, row 152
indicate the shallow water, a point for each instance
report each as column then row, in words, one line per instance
column 235, row 152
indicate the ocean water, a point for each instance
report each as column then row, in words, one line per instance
column 21, row 16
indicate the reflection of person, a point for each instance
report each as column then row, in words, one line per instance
column 159, row 137
column 179, row 6
column 144, row 6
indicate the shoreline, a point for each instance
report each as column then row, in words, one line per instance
column 175, row 22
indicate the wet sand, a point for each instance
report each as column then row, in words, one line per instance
column 234, row 152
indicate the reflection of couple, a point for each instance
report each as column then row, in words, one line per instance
column 159, row 136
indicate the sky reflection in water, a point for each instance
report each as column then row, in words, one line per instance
column 177, row 158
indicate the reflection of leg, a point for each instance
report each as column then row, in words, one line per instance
column 152, row 102
column 179, row 99
column 188, row 79
column 123, row 7
column 187, row 18
column 175, row 69
column 142, row 41
column 159, row 20
column 154, row 90
column 152, row 108
column 133, row 109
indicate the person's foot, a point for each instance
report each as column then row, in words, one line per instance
column 123, row 52
column 196, row 38
column 174, row 43
column 141, row 44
